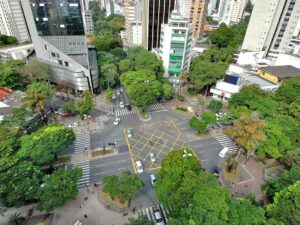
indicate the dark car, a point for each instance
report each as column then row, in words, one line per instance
column 129, row 107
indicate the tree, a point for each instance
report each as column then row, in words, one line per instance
column 124, row 187
column 289, row 177
column 9, row 76
column 246, row 133
column 43, row 145
column 238, row 111
column 125, row 65
column 85, row 105
column 289, row 90
column 141, row 220
column 291, row 158
column 20, row 184
column 276, row 144
column 119, row 52
column 167, row 90
column 204, row 73
column 209, row 118
column 69, row 107
column 149, row 61
column 110, row 74
column 222, row 36
column 7, row 40
column 215, row 105
column 215, row 55
column 19, row 117
column 35, row 71
column 198, row 125
column 37, row 95
column 286, row 205
column 142, row 86
column 58, row 188
column 292, row 109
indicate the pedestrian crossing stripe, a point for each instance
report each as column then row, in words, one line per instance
column 155, row 107
column 227, row 142
column 85, row 178
column 83, row 142
column 150, row 214
column 123, row 112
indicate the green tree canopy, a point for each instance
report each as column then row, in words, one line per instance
column 209, row 118
column 124, row 187
column 9, row 76
column 42, row 146
column 125, row 65
column 167, row 90
column 289, row 90
column 110, row 74
column 85, row 105
column 7, row 40
column 222, row 36
column 69, row 107
column 58, row 188
column 141, row 220
column 19, row 117
column 198, row 125
column 19, row 184
column 215, row 105
column 286, row 205
column 142, row 86
column 35, row 71
column 291, row 158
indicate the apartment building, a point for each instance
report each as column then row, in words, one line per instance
column 58, row 34
column 271, row 26
column 231, row 11
column 12, row 20
column 175, row 46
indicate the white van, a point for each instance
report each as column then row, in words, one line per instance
column 222, row 153
column 139, row 167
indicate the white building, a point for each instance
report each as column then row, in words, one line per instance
column 175, row 46
column 12, row 20
column 133, row 22
column 111, row 7
column 271, row 26
column 236, row 77
column 230, row 11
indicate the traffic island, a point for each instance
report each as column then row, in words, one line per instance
column 144, row 116
column 98, row 152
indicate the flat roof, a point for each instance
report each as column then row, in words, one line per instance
column 282, row 71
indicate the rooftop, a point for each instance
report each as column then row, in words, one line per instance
column 282, row 71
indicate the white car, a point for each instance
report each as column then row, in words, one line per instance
column 139, row 167
column 152, row 157
column 86, row 116
column 121, row 89
column 122, row 105
column 118, row 92
column 114, row 96
column 152, row 179
column 117, row 121
column 129, row 133
column 73, row 125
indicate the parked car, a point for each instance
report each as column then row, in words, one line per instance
column 152, row 179
column 152, row 157
column 128, row 107
column 73, row 125
column 117, row 121
column 114, row 96
column 129, row 133
column 158, row 216
column 121, row 89
column 118, row 92
column 139, row 167
column 67, row 115
column 121, row 105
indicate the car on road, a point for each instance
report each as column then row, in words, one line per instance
column 157, row 216
column 152, row 179
column 114, row 96
column 122, row 105
column 152, row 157
column 128, row 107
column 121, row 89
column 129, row 133
column 73, row 125
column 223, row 153
column 118, row 92
column 67, row 115
column 139, row 167
column 117, row 121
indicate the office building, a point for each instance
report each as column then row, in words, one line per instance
column 58, row 34
column 87, row 17
column 133, row 22
column 212, row 6
column 231, row 11
column 175, row 46
column 154, row 13
column 12, row 20
column 271, row 26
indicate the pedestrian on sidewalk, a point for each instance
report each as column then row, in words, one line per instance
column 85, row 216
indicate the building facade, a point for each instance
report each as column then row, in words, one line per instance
column 154, row 13
column 12, row 20
column 58, row 35
column 231, row 11
column 271, row 26
column 133, row 22
column 175, row 46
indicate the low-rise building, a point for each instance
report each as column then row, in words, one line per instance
column 276, row 74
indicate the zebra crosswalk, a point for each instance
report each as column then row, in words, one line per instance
column 124, row 112
column 102, row 120
column 83, row 142
column 149, row 212
column 156, row 107
column 85, row 179
column 227, row 142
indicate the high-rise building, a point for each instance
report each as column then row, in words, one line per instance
column 271, row 26
column 212, row 6
column 133, row 22
column 154, row 13
column 12, row 20
column 231, row 11
column 87, row 17
column 58, row 34
column 196, row 11
column 175, row 45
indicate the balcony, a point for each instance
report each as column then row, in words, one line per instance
column 174, row 70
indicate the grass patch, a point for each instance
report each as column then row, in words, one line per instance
column 63, row 159
column 116, row 202
column 101, row 152
column 202, row 134
column 183, row 109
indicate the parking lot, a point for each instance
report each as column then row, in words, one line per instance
column 159, row 139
